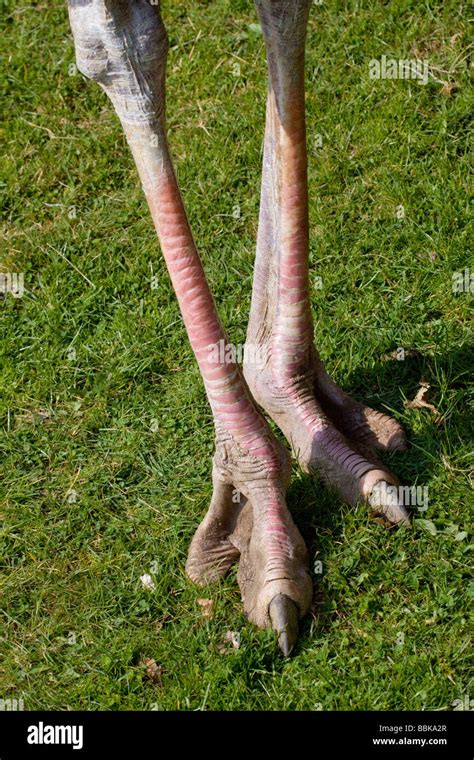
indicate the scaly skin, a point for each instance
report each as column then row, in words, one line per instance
column 123, row 47
column 248, row 519
column 354, row 419
column 348, row 466
column 329, row 432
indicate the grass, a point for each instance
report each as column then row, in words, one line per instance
column 105, row 431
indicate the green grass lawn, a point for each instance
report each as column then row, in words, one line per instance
column 106, row 434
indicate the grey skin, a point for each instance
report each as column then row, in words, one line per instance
column 123, row 47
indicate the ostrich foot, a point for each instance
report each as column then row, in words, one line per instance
column 248, row 520
column 330, row 435
column 354, row 419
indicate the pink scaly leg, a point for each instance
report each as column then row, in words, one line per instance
column 123, row 46
column 293, row 387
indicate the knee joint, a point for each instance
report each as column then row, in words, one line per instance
column 123, row 47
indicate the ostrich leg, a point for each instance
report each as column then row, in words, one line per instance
column 123, row 46
column 329, row 432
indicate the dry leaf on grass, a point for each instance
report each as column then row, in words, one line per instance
column 448, row 88
column 154, row 672
column 231, row 638
column 421, row 400
column 32, row 417
column 400, row 354
column 206, row 607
